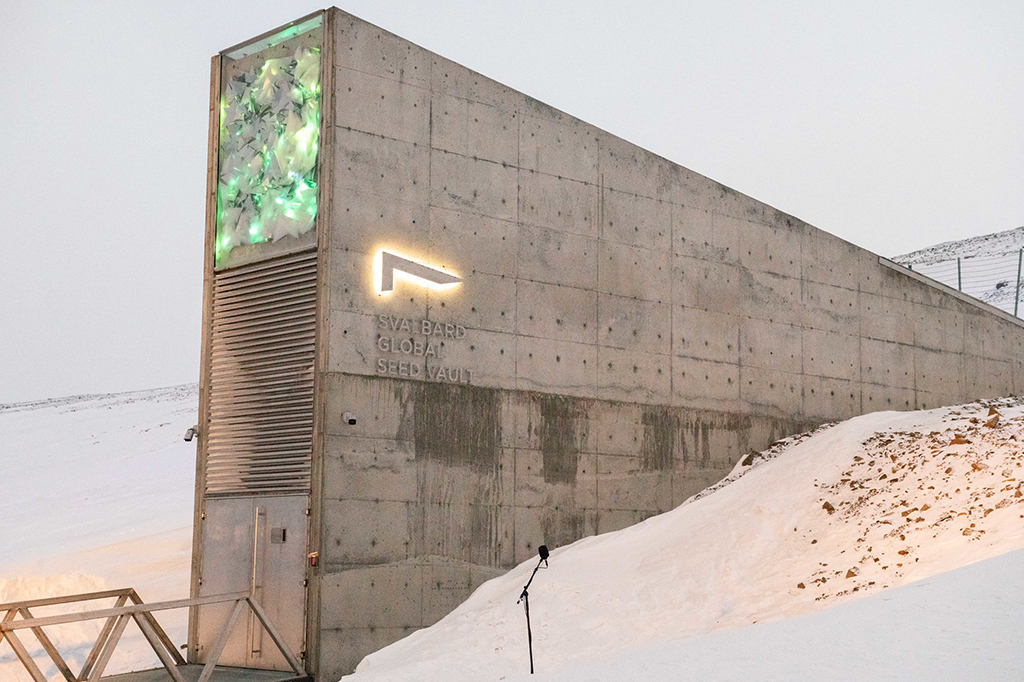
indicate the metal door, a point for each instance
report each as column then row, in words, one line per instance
column 257, row 545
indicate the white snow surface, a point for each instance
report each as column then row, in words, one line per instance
column 995, row 244
column 96, row 493
column 957, row 626
column 873, row 503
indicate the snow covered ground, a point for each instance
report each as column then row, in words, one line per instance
column 995, row 244
column 987, row 269
column 954, row 627
column 96, row 492
column 876, row 502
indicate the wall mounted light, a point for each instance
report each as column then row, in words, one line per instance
column 389, row 266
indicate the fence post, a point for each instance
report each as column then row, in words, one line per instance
column 1016, row 297
column 959, row 280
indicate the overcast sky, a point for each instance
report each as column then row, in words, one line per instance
column 894, row 125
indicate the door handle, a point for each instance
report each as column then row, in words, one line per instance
column 255, row 630
column 254, row 582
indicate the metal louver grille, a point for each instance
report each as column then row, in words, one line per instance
column 261, row 378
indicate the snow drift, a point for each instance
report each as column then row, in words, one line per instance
column 97, row 491
column 872, row 503
column 956, row 626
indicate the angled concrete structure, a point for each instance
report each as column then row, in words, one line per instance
column 456, row 323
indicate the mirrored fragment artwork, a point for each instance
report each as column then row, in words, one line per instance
column 269, row 139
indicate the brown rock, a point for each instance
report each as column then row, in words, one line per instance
column 829, row 508
column 801, row 586
column 993, row 422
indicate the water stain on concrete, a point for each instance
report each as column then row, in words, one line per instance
column 457, row 425
column 656, row 449
column 563, row 427
column 562, row 527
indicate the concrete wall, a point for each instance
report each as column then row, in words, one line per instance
column 630, row 329
column 439, row 487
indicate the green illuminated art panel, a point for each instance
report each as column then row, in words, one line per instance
column 269, row 138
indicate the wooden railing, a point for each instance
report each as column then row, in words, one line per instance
column 18, row 616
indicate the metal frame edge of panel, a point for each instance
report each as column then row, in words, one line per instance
column 258, row 401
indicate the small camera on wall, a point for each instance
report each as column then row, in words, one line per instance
column 349, row 418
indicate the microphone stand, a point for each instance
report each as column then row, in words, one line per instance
column 525, row 598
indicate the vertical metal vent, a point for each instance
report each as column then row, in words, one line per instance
column 261, row 378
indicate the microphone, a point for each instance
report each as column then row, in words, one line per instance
column 525, row 598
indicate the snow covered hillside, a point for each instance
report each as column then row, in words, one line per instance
column 96, row 493
column 987, row 270
column 995, row 244
column 876, row 502
column 957, row 626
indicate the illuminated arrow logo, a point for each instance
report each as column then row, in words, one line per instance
column 390, row 263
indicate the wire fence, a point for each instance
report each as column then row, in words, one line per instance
column 996, row 280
